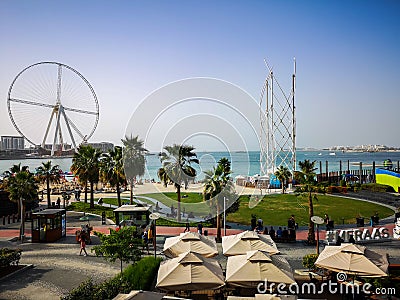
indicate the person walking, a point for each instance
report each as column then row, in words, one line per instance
column 82, row 240
column 187, row 225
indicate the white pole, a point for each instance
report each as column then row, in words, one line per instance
column 224, row 217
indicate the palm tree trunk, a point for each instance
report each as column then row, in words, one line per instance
column 22, row 225
column 91, row 195
column 48, row 192
column 311, row 233
column 131, row 191
column 86, row 191
column 118, row 194
column 178, row 190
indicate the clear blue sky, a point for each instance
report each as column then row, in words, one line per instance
column 347, row 52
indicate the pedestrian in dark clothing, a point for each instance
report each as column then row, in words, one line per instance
column 271, row 232
column 187, row 225
column 200, row 228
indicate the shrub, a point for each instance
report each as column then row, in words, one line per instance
column 376, row 187
column 111, row 288
column 9, row 257
column 82, row 291
column 309, row 260
column 135, row 277
column 141, row 275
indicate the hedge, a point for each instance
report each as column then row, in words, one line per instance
column 135, row 277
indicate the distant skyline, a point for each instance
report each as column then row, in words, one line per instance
column 346, row 52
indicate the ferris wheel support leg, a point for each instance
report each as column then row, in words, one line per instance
column 55, row 134
column 69, row 128
column 47, row 130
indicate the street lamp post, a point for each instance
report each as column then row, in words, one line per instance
column 155, row 217
column 224, row 216
column 317, row 221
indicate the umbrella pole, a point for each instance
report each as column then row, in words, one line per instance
column 154, row 239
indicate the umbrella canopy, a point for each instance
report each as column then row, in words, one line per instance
column 353, row 259
column 247, row 241
column 190, row 242
column 250, row 269
column 189, row 272
column 140, row 295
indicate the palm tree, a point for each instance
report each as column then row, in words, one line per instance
column 177, row 168
column 134, row 161
column 112, row 169
column 306, row 177
column 217, row 186
column 49, row 174
column 23, row 188
column 85, row 164
column 283, row 174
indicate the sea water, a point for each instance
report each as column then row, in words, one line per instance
column 242, row 163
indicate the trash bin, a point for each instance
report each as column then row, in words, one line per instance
column 360, row 222
column 206, row 232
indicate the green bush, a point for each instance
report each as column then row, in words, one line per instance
column 9, row 257
column 309, row 260
column 135, row 277
column 111, row 288
column 82, row 291
column 141, row 275
column 376, row 187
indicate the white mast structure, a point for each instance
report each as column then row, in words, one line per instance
column 278, row 125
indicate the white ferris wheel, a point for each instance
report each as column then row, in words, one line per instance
column 52, row 105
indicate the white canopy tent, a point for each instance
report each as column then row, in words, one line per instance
column 353, row 259
column 190, row 272
column 250, row 269
column 190, row 242
column 247, row 241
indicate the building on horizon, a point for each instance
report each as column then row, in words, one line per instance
column 64, row 147
column 9, row 142
column 102, row 146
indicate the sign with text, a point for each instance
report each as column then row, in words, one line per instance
column 359, row 235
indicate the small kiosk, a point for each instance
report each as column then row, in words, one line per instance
column 133, row 215
column 48, row 225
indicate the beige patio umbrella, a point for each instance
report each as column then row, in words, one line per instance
column 190, row 242
column 250, row 269
column 189, row 272
column 353, row 259
column 247, row 241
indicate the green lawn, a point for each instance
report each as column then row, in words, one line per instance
column 97, row 210
column 190, row 202
column 275, row 209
